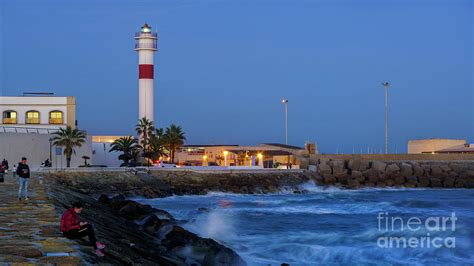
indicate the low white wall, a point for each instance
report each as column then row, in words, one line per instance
column 102, row 156
column 35, row 147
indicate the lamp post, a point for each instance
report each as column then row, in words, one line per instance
column 285, row 102
column 386, row 85
column 51, row 150
column 225, row 158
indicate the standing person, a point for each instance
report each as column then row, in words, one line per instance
column 73, row 228
column 14, row 170
column 23, row 171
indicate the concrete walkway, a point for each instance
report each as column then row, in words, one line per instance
column 29, row 230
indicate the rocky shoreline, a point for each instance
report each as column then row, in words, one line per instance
column 139, row 234
column 356, row 173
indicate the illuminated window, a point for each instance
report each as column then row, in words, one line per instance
column 32, row 117
column 55, row 117
column 9, row 117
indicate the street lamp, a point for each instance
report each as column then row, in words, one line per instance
column 225, row 157
column 386, row 85
column 285, row 102
column 51, row 150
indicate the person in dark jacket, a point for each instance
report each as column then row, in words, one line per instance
column 23, row 172
column 73, row 228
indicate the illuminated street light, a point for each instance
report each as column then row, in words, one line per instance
column 225, row 158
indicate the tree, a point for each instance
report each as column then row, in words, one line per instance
column 157, row 144
column 69, row 138
column 126, row 145
column 174, row 137
column 145, row 130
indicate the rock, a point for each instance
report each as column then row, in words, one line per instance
column 175, row 238
column 418, row 170
column 406, row 169
column 435, row 182
column 412, row 179
column 337, row 166
column 445, row 168
column 379, row 166
column 448, row 182
column 353, row 183
column 104, row 199
column 457, row 167
column 356, row 174
column 329, row 180
column 470, row 173
column 134, row 211
column 392, row 168
column 436, row 171
column 118, row 202
column 399, row 180
column 354, row 164
column 423, row 181
column 153, row 224
column 459, row 183
column 324, row 169
column 221, row 255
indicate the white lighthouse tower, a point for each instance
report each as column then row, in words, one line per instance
column 146, row 47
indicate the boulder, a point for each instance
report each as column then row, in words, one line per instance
column 458, row 167
column 135, row 211
column 423, row 181
column 104, row 199
column 329, row 180
column 418, row 170
column 392, row 168
column 353, row 183
column 221, row 255
column 379, row 166
column 436, row 171
column 445, row 168
column 435, row 182
column 406, row 169
column 448, row 182
column 356, row 174
column 324, row 169
column 353, row 164
column 399, row 180
column 338, row 166
column 459, row 183
column 118, row 202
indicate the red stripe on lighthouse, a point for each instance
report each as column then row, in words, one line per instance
column 145, row 71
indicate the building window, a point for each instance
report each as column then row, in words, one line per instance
column 9, row 117
column 55, row 117
column 32, row 117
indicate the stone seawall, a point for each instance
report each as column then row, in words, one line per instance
column 356, row 173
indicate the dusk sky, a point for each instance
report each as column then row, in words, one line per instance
column 223, row 67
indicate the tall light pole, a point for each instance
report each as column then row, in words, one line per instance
column 386, row 85
column 285, row 102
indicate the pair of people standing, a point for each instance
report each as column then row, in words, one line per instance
column 23, row 172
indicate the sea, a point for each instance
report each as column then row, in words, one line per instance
column 331, row 226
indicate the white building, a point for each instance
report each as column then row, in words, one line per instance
column 26, row 128
column 37, row 113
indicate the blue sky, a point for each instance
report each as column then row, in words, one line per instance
column 223, row 67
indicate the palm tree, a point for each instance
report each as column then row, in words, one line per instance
column 174, row 137
column 126, row 145
column 69, row 138
column 157, row 144
column 145, row 130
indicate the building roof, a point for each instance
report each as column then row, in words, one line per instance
column 208, row 145
column 467, row 148
column 264, row 152
column 283, row 146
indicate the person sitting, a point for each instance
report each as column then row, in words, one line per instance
column 73, row 228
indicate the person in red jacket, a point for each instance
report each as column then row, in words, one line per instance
column 73, row 228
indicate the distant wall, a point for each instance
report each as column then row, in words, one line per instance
column 102, row 156
column 395, row 157
column 431, row 145
column 35, row 147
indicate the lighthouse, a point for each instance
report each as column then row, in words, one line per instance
column 146, row 46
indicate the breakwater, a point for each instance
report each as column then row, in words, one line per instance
column 356, row 173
